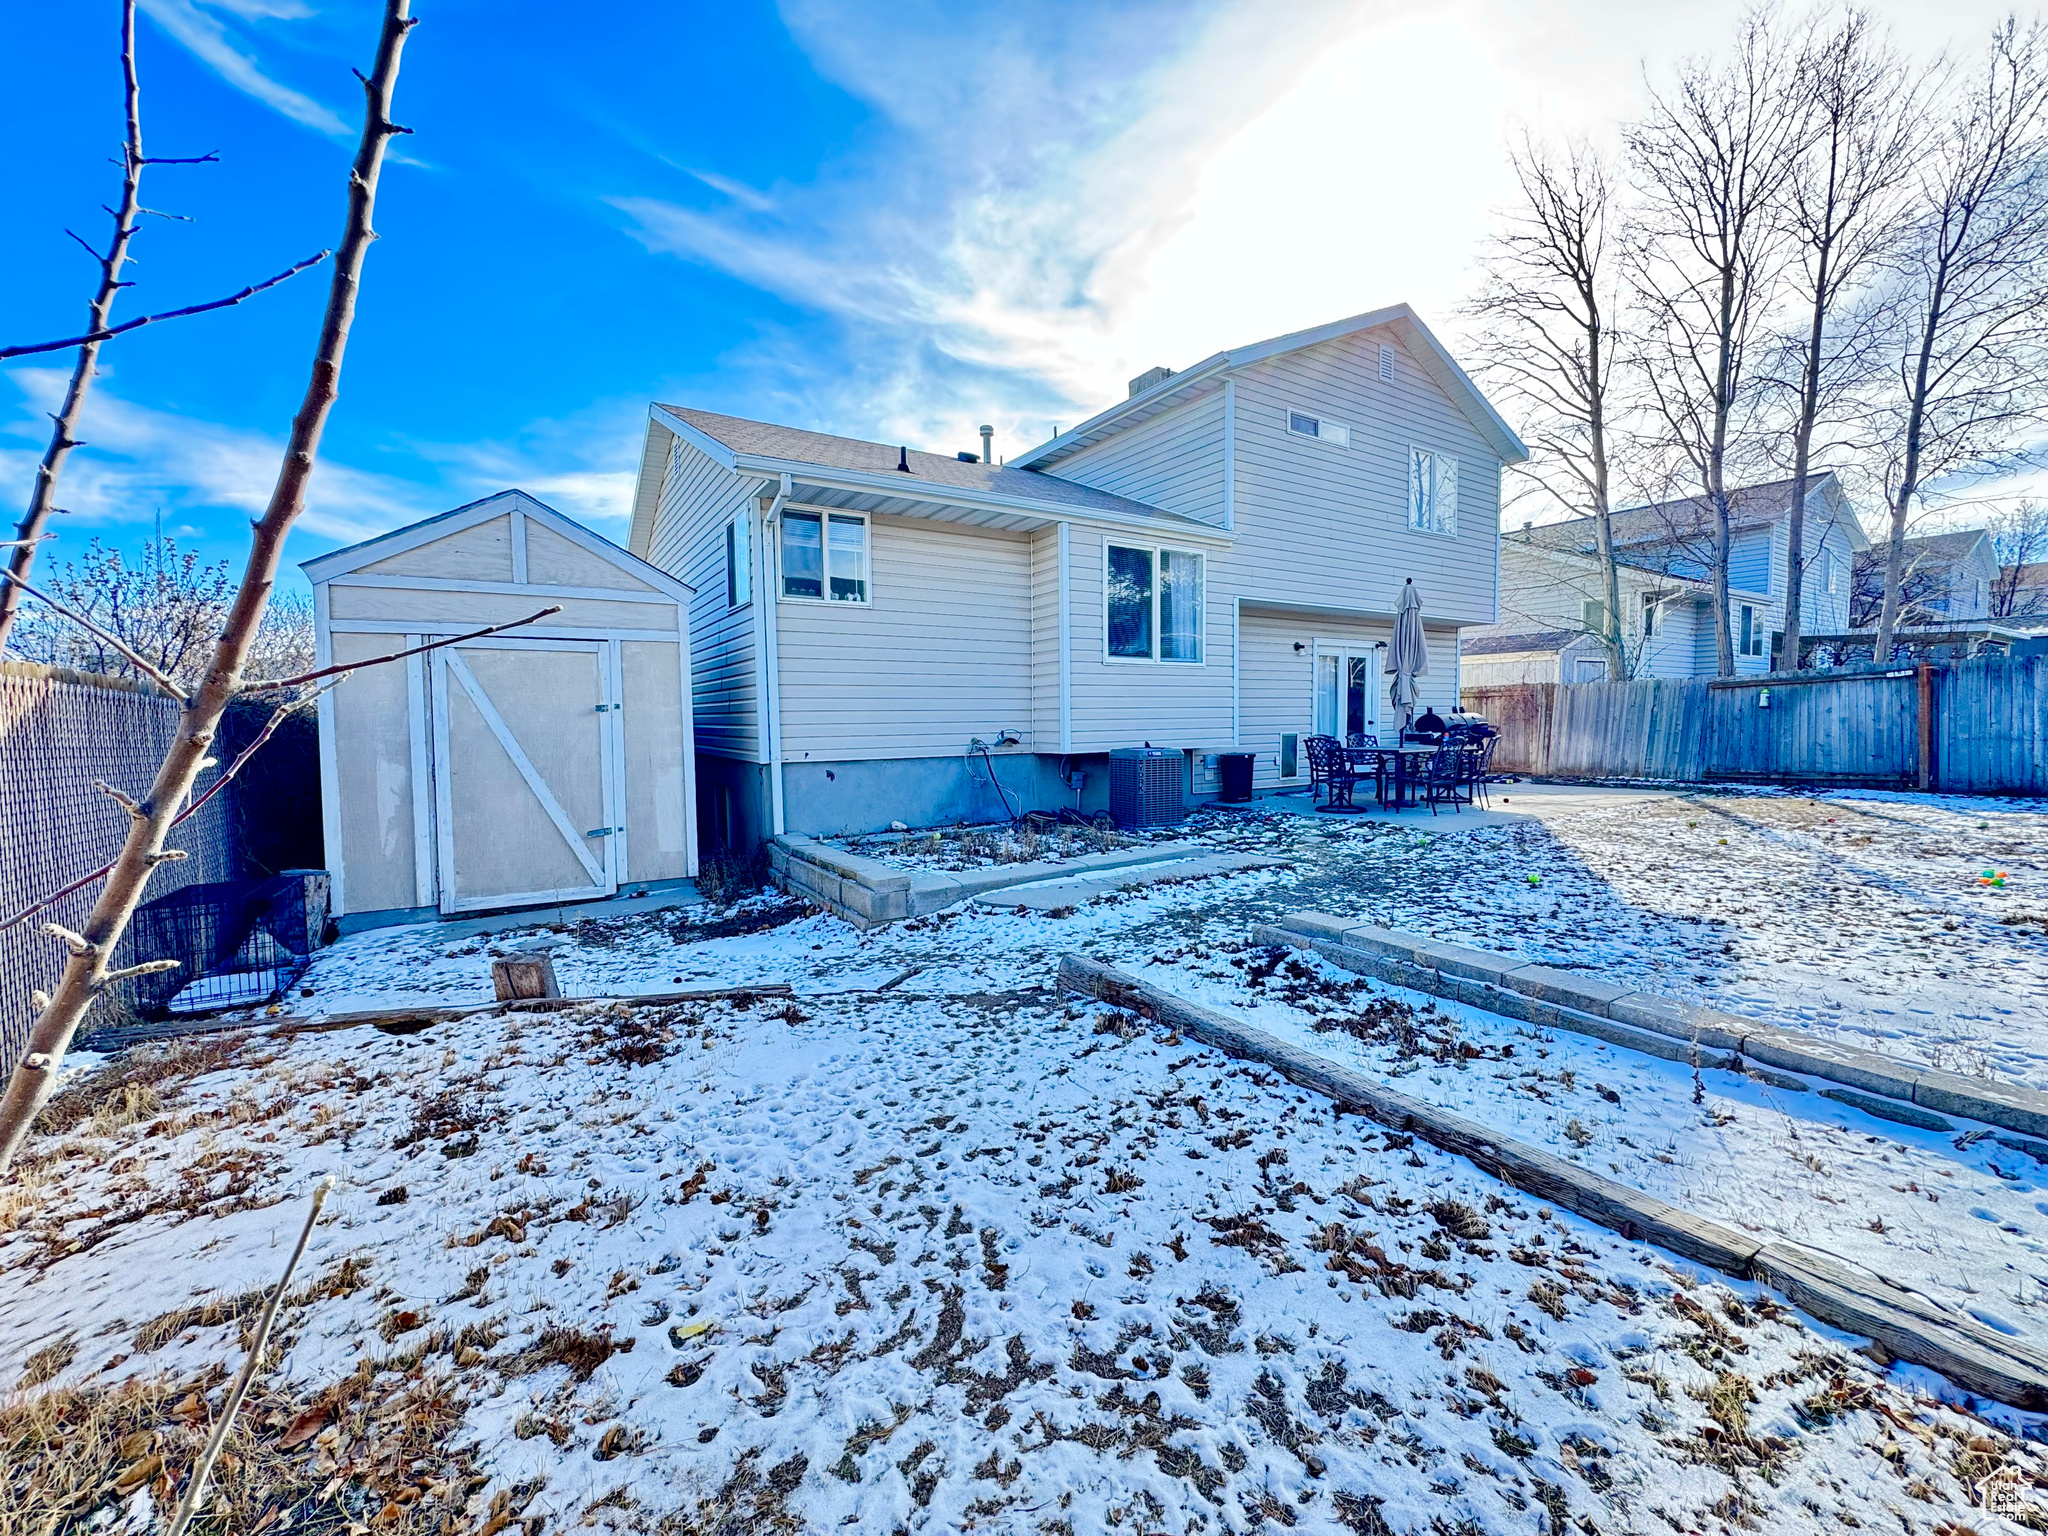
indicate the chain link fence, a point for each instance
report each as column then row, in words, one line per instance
column 59, row 731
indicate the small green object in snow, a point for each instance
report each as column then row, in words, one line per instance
column 1535, row 879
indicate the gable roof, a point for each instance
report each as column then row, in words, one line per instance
column 353, row 557
column 1689, row 518
column 1178, row 388
column 1946, row 548
column 1541, row 640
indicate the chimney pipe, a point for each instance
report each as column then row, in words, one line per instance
column 988, row 445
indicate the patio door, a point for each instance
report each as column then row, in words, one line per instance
column 526, row 754
column 1347, row 698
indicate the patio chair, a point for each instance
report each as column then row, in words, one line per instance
column 1482, row 768
column 1329, row 770
column 1446, row 778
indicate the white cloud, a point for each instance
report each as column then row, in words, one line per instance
column 738, row 191
column 208, row 40
column 1068, row 202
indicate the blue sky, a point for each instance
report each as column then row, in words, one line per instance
column 890, row 220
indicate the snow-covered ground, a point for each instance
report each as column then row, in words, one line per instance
column 956, row 1254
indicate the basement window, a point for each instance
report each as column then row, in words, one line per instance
column 825, row 557
column 1301, row 424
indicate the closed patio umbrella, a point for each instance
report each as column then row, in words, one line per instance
column 1408, row 656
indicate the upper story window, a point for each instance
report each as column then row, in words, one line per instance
column 1649, row 614
column 1834, row 568
column 1304, row 425
column 825, row 556
column 1432, row 491
column 739, row 561
column 1152, row 601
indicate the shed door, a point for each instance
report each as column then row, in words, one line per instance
column 525, row 781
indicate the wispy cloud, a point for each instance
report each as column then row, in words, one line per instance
column 738, row 191
column 208, row 40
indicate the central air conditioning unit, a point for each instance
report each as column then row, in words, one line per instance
column 1146, row 786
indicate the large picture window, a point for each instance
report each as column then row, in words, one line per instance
column 1432, row 492
column 825, row 556
column 1153, row 603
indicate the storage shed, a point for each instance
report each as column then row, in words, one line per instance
column 550, row 764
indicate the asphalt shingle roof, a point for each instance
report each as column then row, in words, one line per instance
column 1687, row 518
column 932, row 470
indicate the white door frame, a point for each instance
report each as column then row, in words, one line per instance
column 1346, row 652
column 606, row 869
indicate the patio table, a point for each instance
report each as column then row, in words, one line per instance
column 1404, row 761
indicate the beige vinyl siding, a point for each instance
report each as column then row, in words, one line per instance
column 1127, row 703
column 482, row 553
column 699, row 497
column 1278, row 682
column 552, row 560
column 1045, row 640
column 1324, row 526
column 1174, row 462
column 940, row 652
column 440, row 611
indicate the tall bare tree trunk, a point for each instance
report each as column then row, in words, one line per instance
column 42, row 501
column 85, row 973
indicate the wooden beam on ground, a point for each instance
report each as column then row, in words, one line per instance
column 1906, row 1324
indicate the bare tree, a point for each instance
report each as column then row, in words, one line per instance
column 1551, row 304
column 86, row 972
column 1972, row 293
column 2021, row 538
column 1842, row 200
column 1710, row 162
column 43, row 496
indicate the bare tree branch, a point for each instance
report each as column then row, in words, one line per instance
column 108, row 332
column 342, row 669
column 9, row 580
column 55, row 1025
column 43, row 497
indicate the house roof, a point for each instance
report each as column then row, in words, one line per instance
column 1689, row 518
column 866, row 474
column 1953, row 545
column 1178, row 388
column 353, row 557
column 1515, row 645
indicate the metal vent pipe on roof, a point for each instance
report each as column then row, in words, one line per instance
column 988, row 445
column 903, row 459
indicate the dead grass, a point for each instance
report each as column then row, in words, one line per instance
column 369, row 1451
column 138, row 1084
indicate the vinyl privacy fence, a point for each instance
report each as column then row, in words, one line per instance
column 1971, row 727
column 59, row 731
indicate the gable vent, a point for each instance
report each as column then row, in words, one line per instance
column 1386, row 364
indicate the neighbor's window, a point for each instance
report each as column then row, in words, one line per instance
column 1153, row 602
column 1649, row 614
column 1752, row 632
column 825, row 556
column 1834, row 574
column 1593, row 615
column 1304, row 425
column 739, row 561
column 1432, row 491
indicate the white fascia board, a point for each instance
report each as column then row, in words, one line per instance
column 353, row 557
column 1434, row 357
column 654, row 457
column 925, row 490
column 696, row 437
column 344, row 562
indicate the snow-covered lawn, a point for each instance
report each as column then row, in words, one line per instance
column 956, row 1254
column 994, row 1263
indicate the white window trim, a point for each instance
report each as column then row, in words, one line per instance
column 739, row 583
column 867, row 559
column 1201, row 614
column 1289, row 412
column 1408, row 512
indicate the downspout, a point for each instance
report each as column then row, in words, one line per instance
column 769, row 562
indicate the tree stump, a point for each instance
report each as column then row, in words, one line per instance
column 524, row 976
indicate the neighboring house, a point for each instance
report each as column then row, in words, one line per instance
column 1666, row 551
column 1553, row 610
column 2022, row 594
column 1207, row 565
column 1948, row 578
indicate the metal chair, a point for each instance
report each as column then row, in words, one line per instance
column 1329, row 769
column 1445, row 778
column 1482, row 768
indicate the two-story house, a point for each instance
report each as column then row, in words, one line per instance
column 1214, row 563
column 1948, row 578
column 1553, row 599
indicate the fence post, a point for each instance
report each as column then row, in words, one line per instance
column 1924, row 679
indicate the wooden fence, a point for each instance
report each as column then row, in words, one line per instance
column 1978, row 727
